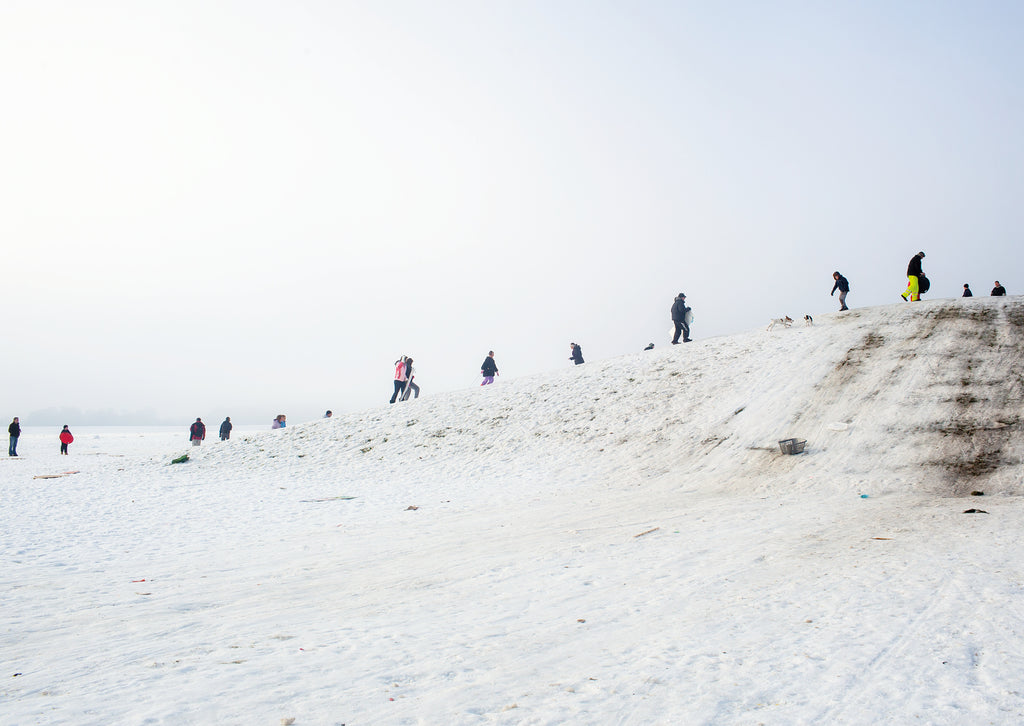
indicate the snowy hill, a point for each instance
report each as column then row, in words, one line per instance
column 924, row 397
column 621, row 542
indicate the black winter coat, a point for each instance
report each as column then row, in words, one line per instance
column 914, row 268
column 842, row 284
column 679, row 310
column 489, row 367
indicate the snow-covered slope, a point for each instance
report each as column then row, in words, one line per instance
column 925, row 397
column 620, row 542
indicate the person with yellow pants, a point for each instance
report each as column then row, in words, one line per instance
column 914, row 273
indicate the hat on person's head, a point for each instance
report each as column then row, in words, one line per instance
column 682, row 294
column 920, row 254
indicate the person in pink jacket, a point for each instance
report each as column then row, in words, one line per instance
column 400, row 378
column 65, row 439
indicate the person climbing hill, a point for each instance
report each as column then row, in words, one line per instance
column 400, row 379
column 681, row 319
column 489, row 369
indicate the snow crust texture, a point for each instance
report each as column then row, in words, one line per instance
column 620, row 542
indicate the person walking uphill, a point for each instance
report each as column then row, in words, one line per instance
column 225, row 429
column 576, row 353
column 914, row 275
column 15, row 431
column 400, row 378
column 410, row 387
column 197, row 432
column 843, row 285
column 681, row 317
column 65, row 439
column 997, row 291
column 489, row 368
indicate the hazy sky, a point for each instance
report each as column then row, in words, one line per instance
column 251, row 208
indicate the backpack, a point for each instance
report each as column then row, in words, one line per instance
column 922, row 283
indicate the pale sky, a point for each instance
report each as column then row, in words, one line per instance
column 253, row 208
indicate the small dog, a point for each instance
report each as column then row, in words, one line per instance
column 808, row 320
column 785, row 321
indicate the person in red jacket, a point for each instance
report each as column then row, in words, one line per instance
column 197, row 432
column 65, row 439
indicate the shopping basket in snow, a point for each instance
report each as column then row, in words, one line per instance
column 792, row 446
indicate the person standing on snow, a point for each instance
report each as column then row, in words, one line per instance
column 65, row 439
column 997, row 291
column 575, row 353
column 914, row 274
column 489, row 369
column 15, row 431
column 225, row 429
column 967, row 291
column 843, row 285
column 410, row 387
column 197, row 432
column 400, row 379
column 679, row 319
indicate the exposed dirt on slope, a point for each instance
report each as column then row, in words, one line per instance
column 980, row 438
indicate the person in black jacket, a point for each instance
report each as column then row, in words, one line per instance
column 15, row 431
column 914, row 273
column 489, row 368
column 575, row 353
column 967, row 291
column 197, row 432
column 225, row 429
column 997, row 291
column 843, row 285
column 679, row 318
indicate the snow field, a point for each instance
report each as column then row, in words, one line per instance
column 621, row 542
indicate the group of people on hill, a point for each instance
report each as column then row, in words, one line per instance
column 197, row 431
column 14, row 431
column 682, row 316
column 917, row 283
column 997, row 291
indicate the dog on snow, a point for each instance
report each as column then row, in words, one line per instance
column 784, row 321
column 808, row 320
